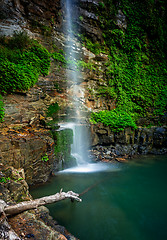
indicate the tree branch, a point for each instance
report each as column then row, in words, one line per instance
column 28, row 205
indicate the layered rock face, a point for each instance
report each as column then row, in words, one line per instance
column 109, row 145
column 26, row 149
column 19, row 9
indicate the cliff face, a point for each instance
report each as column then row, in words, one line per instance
column 23, row 9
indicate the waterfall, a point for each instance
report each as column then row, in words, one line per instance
column 75, row 91
column 76, row 119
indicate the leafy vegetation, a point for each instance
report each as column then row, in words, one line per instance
column 22, row 60
column 4, row 179
column 59, row 56
column 117, row 120
column 45, row 158
column 136, row 72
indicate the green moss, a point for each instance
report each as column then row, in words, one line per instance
column 53, row 110
column 94, row 47
column 63, row 140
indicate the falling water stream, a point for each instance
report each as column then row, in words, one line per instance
column 80, row 129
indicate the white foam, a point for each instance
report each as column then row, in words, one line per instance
column 92, row 167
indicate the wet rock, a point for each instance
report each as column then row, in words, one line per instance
column 130, row 142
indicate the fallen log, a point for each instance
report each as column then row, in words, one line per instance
column 28, row 205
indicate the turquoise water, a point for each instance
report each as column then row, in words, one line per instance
column 124, row 201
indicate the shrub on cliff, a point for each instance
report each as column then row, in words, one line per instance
column 21, row 63
column 116, row 119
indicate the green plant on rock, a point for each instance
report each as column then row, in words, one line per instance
column 135, row 74
column 63, row 139
column 4, row 179
column 53, row 110
column 45, row 158
column 81, row 18
column 44, row 29
column 59, row 57
column 94, row 47
column 44, row 56
column 85, row 66
column 116, row 119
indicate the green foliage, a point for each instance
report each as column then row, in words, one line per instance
column 116, row 119
column 81, row 18
column 136, row 72
column 21, row 62
column 83, row 65
column 45, row 158
column 16, row 76
column 4, row 179
column 107, row 92
column 139, row 88
column 20, row 179
column 58, row 56
column 53, row 110
column 94, row 47
column 44, row 58
column 1, row 109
